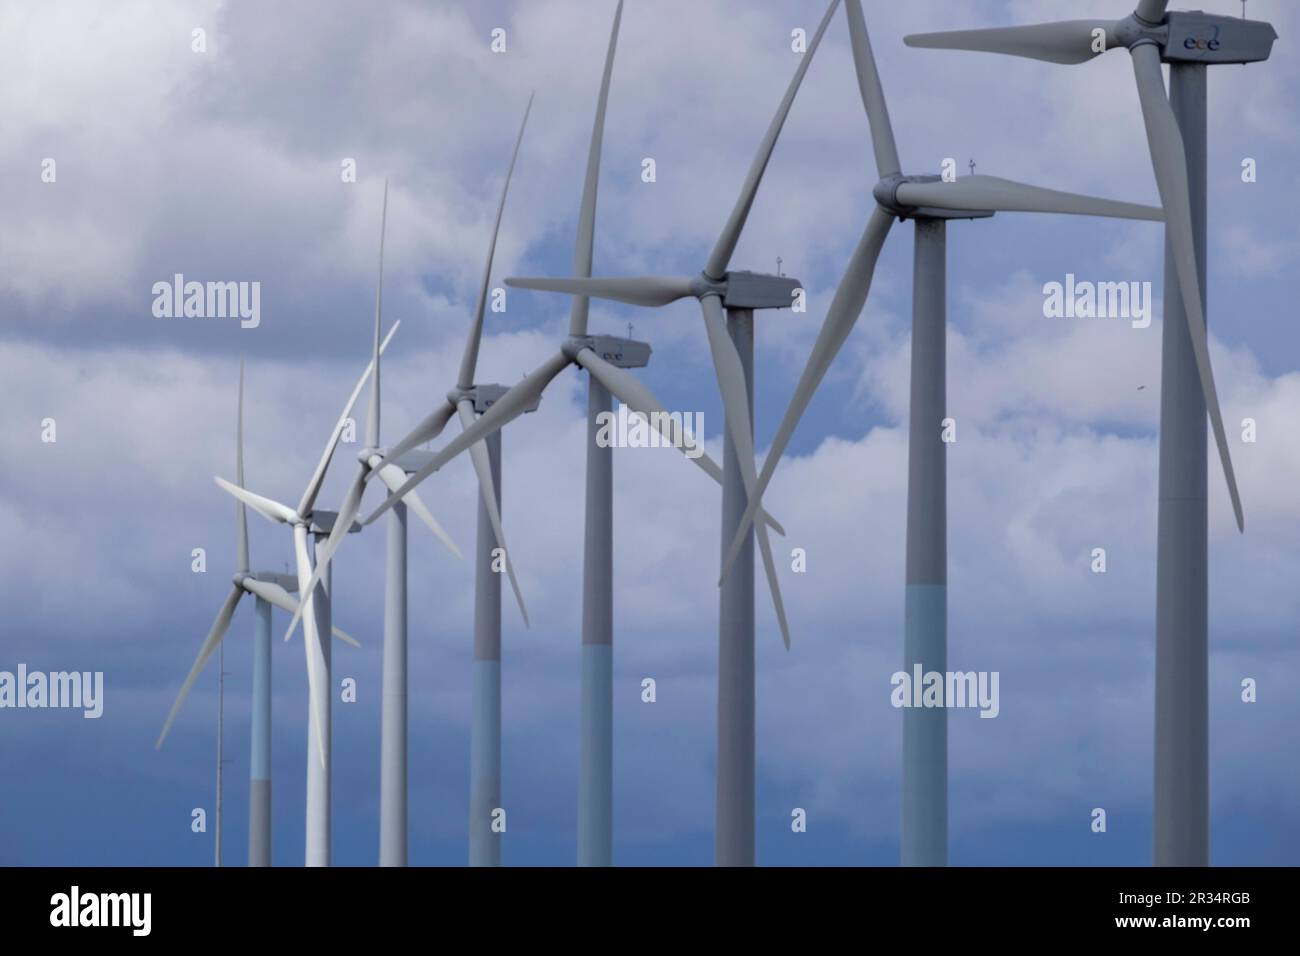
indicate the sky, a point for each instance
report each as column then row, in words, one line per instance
column 225, row 165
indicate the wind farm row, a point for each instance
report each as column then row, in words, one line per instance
column 729, row 300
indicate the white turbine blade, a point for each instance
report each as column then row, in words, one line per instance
column 1169, row 157
column 587, row 211
column 318, row 476
column 649, row 291
column 720, row 257
column 506, row 409
column 241, row 514
column 394, row 477
column 478, row 453
column 272, row 593
column 218, row 631
column 470, row 359
column 303, row 568
column 266, row 507
column 315, row 692
column 347, row 513
column 634, row 393
column 846, row 306
column 730, row 375
column 1005, row 195
column 735, row 400
column 1152, row 11
column 429, row 429
column 372, row 415
column 1067, row 41
column 873, row 94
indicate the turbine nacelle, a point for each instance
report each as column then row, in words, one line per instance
column 759, row 290
column 287, row 581
column 619, row 352
column 1196, row 37
column 321, row 523
column 483, row 397
column 410, row 462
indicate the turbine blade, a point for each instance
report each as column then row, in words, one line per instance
column 506, row 409
column 649, row 291
column 587, row 212
column 1169, row 157
column 720, row 257
column 1005, row 195
column 372, row 418
column 1152, row 11
column 735, row 400
column 267, row 508
column 478, row 453
column 394, row 477
column 272, row 593
column 345, row 637
column 315, row 692
column 845, row 307
column 241, row 513
column 469, row 360
column 634, row 393
column 429, row 429
column 773, row 583
column 873, row 94
column 318, row 476
column 1066, row 41
column 730, row 375
column 217, row 632
column 347, row 512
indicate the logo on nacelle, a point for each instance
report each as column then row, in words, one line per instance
column 1203, row 43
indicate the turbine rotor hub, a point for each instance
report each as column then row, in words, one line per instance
column 322, row 523
column 886, row 194
column 704, row 284
column 1134, row 31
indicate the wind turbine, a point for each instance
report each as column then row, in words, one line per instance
column 307, row 521
column 606, row 359
column 269, row 589
column 727, row 300
column 929, row 202
column 221, row 746
column 466, row 400
column 1176, row 137
column 393, row 748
